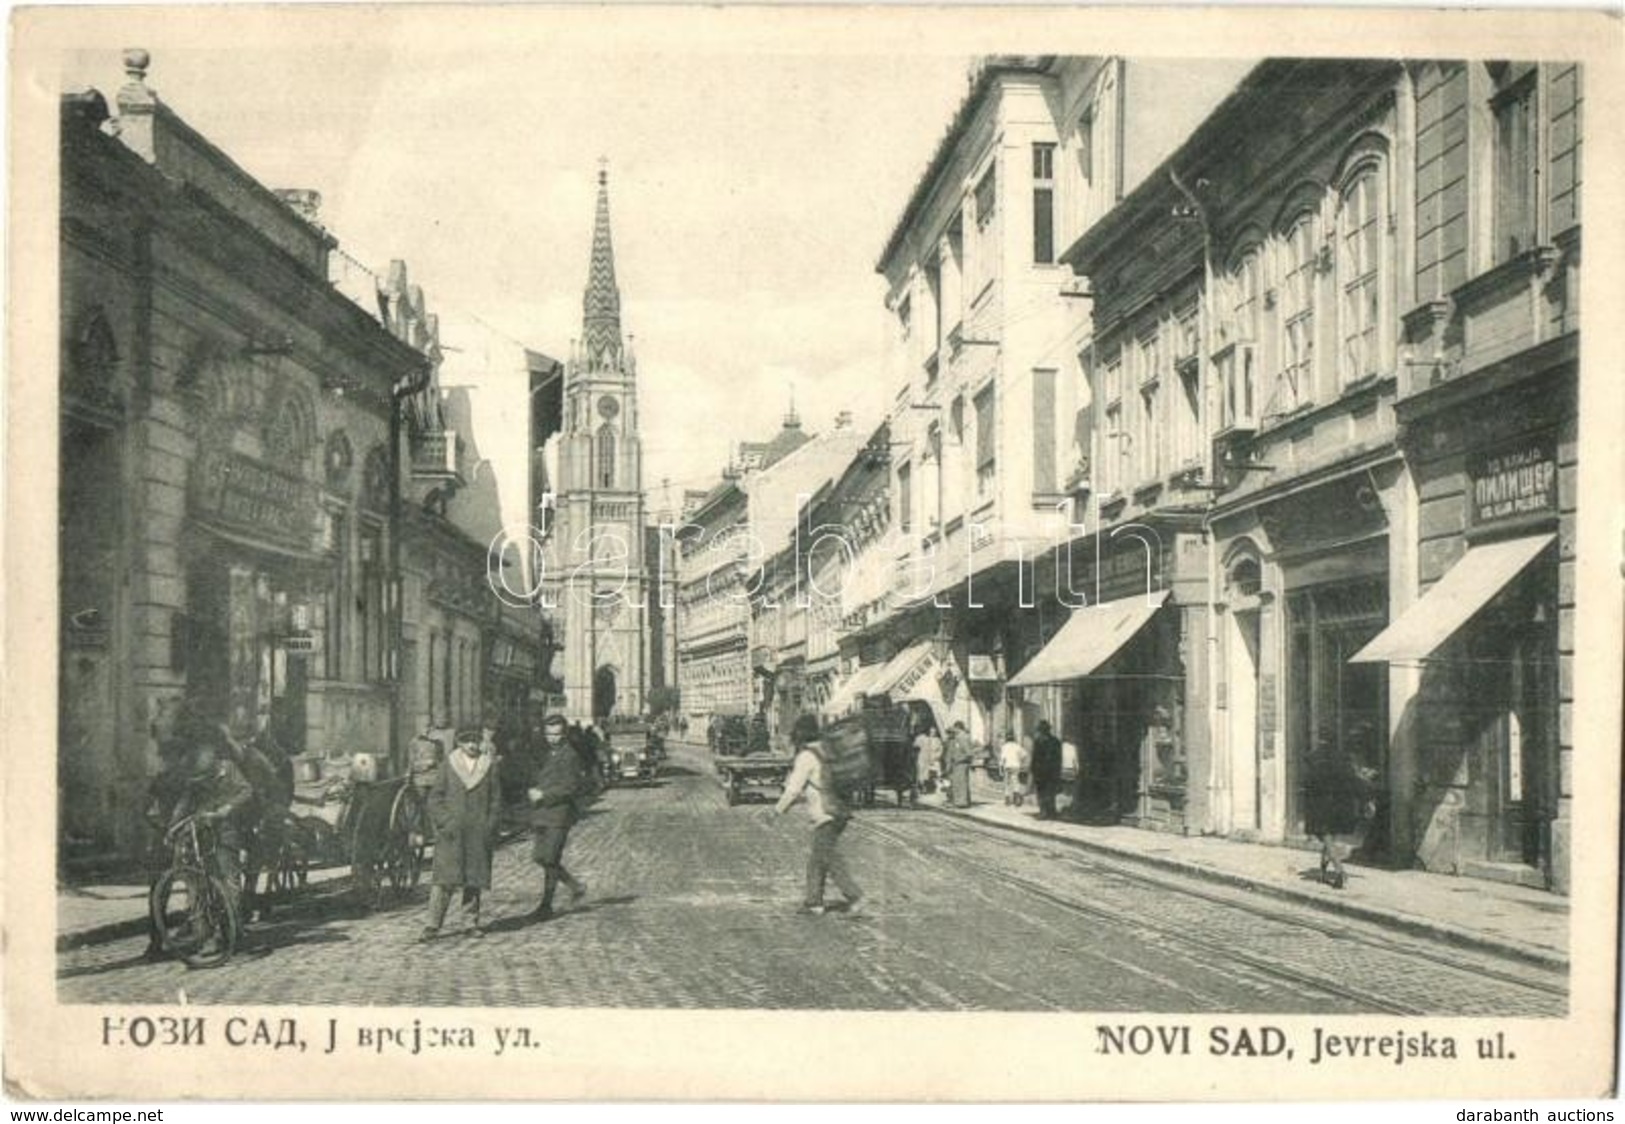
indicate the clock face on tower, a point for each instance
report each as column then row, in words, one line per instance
column 608, row 408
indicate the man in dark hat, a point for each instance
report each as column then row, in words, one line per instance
column 560, row 790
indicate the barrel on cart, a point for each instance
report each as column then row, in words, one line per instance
column 872, row 750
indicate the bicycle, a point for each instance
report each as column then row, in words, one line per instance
column 194, row 910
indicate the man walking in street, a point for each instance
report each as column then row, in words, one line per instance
column 465, row 806
column 558, row 794
column 1046, row 770
column 809, row 776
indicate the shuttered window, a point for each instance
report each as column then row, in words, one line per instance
column 1044, row 432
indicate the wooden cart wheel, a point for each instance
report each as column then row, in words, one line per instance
column 407, row 842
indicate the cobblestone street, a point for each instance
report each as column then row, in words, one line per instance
column 693, row 905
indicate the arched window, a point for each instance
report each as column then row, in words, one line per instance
column 1359, row 273
column 1296, row 383
column 1244, row 280
column 606, row 456
column 1237, row 369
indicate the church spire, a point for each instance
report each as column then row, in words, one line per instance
column 601, row 324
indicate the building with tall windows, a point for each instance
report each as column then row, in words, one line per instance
column 1480, row 654
column 988, row 423
column 717, row 550
column 1332, row 365
column 1241, row 370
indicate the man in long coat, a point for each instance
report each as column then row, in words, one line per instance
column 961, row 753
column 1046, row 770
column 559, row 793
column 465, row 805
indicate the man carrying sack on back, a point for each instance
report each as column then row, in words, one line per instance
column 810, row 775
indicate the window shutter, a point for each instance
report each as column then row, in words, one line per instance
column 986, row 433
column 1043, row 432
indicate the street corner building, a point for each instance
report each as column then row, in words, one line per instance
column 254, row 450
column 1235, row 429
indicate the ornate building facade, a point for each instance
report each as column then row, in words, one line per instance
column 225, row 484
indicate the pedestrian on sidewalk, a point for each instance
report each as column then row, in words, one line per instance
column 465, row 805
column 1072, row 777
column 1334, row 794
column 1046, row 770
column 961, row 755
column 809, row 777
column 558, row 796
column 1013, row 764
column 927, row 757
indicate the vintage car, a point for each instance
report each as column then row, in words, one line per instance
column 633, row 754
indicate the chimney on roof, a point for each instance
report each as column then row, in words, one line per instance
column 792, row 420
column 843, row 420
column 304, row 202
column 137, row 106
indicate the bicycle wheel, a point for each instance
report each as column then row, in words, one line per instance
column 214, row 916
column 169, row 904
column 195, row 916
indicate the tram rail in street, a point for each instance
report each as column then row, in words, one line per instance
column 889, row 828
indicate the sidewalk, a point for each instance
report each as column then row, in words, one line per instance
column 1531, row 925
column 96, row 912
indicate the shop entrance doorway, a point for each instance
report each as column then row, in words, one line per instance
column 1335, row 707
column 1246, row 804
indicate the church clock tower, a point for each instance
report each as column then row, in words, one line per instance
column 597, row 573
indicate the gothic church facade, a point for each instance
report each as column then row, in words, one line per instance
column 601, row 580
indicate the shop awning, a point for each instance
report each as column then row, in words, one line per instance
column 1465, row 589
column 900, row 665
column 1092, row 636
column 855, row 684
